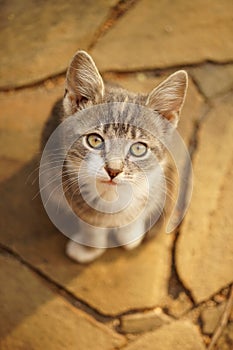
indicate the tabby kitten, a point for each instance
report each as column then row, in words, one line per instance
column 114, row 174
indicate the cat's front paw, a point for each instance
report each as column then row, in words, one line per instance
column 81, row 253
column 134, row 244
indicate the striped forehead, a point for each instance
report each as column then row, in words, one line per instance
column 122, row 130
column 121, row 120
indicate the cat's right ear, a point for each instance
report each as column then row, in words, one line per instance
column 83, row 83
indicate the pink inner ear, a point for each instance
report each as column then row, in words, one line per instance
column 170, row 115
column 81, row 99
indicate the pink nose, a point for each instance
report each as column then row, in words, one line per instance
column 112, row 172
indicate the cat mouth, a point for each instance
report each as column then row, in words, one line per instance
column 109, row 182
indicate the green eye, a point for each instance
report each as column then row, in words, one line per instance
column 138, row 149
column 95, row 141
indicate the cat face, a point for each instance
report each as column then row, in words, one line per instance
column 122, row 152
column 112, row 156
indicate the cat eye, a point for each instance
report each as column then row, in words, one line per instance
column 138, row 149
column 95, row 141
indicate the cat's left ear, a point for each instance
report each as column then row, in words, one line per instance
column 168, row 98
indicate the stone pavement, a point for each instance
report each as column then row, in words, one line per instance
column 173, row 292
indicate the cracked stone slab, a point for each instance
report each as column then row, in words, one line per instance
column 225, row 342
column 157, row 34
column 23, row 114
column 12, row 166
column 212, row 315
column 204, row 251
column 178, row 335
column 127, row 280
column 33, row 317
column 39, row 41
column 144, row 321
column 213, row 79
column 179, row 306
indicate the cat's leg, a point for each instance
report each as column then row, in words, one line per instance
column 84, row 253
column 132, row 236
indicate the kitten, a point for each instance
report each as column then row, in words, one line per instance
column 114, row 175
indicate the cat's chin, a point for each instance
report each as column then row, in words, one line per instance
column 107, row 190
